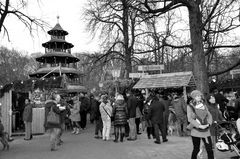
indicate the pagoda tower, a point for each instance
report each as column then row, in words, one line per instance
column 58, row 60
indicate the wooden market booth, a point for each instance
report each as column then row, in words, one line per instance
column 13, row 95
column 167, row 80
column 12, row 101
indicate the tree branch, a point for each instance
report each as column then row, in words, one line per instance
column 223, row 71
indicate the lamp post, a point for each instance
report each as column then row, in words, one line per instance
column 100, row 84
column 116, row 74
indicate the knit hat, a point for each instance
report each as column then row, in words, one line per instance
column 196, row 93
column 119, row 97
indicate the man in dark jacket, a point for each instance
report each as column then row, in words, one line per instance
column 97, row 117
column 83, row 110
column 27, row 118
column 156, row 115
column 131, row 106
column 221, row 100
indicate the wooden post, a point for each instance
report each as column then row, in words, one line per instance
column 185, row 93
column 147, row 92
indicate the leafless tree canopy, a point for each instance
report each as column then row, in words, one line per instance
column 16, row 8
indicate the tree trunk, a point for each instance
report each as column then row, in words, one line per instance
column 127, row 50
column 199, row 66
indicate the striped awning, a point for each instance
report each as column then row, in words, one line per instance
column 166, row 80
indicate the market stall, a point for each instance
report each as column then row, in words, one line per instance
column 167, row 80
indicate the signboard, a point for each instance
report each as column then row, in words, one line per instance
column 137, row 75
column 116, row 73
column 236, row 71
column 150, row 67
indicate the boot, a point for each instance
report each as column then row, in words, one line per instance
column 77, row 131
column 74, row 130
column 116, row 136
column 149, row 132
column 121, row 137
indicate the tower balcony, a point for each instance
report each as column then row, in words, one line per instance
column 57, row 50
column 63, row 65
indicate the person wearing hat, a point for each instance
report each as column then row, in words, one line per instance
column 200, row 120
column 120, row 117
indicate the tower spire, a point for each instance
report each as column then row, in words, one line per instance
column 58, row 18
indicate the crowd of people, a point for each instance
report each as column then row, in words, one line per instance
column 132, row 112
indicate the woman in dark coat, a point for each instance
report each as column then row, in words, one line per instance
column 53, row 129
column 213, row 108
column 120, row 117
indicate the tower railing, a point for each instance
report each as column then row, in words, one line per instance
column 70, row 65
column 57, row 50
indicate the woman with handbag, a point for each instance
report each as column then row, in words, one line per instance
column 200, row 120
column 75, row 115
column 106, row 112
column 52, row 121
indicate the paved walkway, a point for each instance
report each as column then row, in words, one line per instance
column 84, row 146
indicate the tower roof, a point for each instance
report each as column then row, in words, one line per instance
column 52, row 42
column 59, row 56
column 57, row 28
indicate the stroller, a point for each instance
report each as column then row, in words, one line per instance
column 228, row 137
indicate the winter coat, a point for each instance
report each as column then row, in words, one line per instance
column 156, row 111
column 237, row 107
column 27, row 113
column 180, row 108
column 221, row 100
column 48, row 105
column 203, row 113
column 85, row 104
column 131, row 106
column 146, row 114
column 97, row 114
column 1, row 129
column 216, row 116
column 106, row 111
column 75, row 115
column 120, row 113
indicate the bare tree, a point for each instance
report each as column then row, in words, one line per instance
column 119, row 25
column 199, row 18
column 16, row 8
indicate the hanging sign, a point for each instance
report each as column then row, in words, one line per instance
column 150, row 67
column 236, row 71
column 137, row 75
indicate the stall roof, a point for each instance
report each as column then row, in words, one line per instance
column 166, row 80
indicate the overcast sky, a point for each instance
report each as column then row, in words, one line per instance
column 71, row 20
column 70, row 12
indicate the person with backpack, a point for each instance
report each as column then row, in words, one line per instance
column 200, row 120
